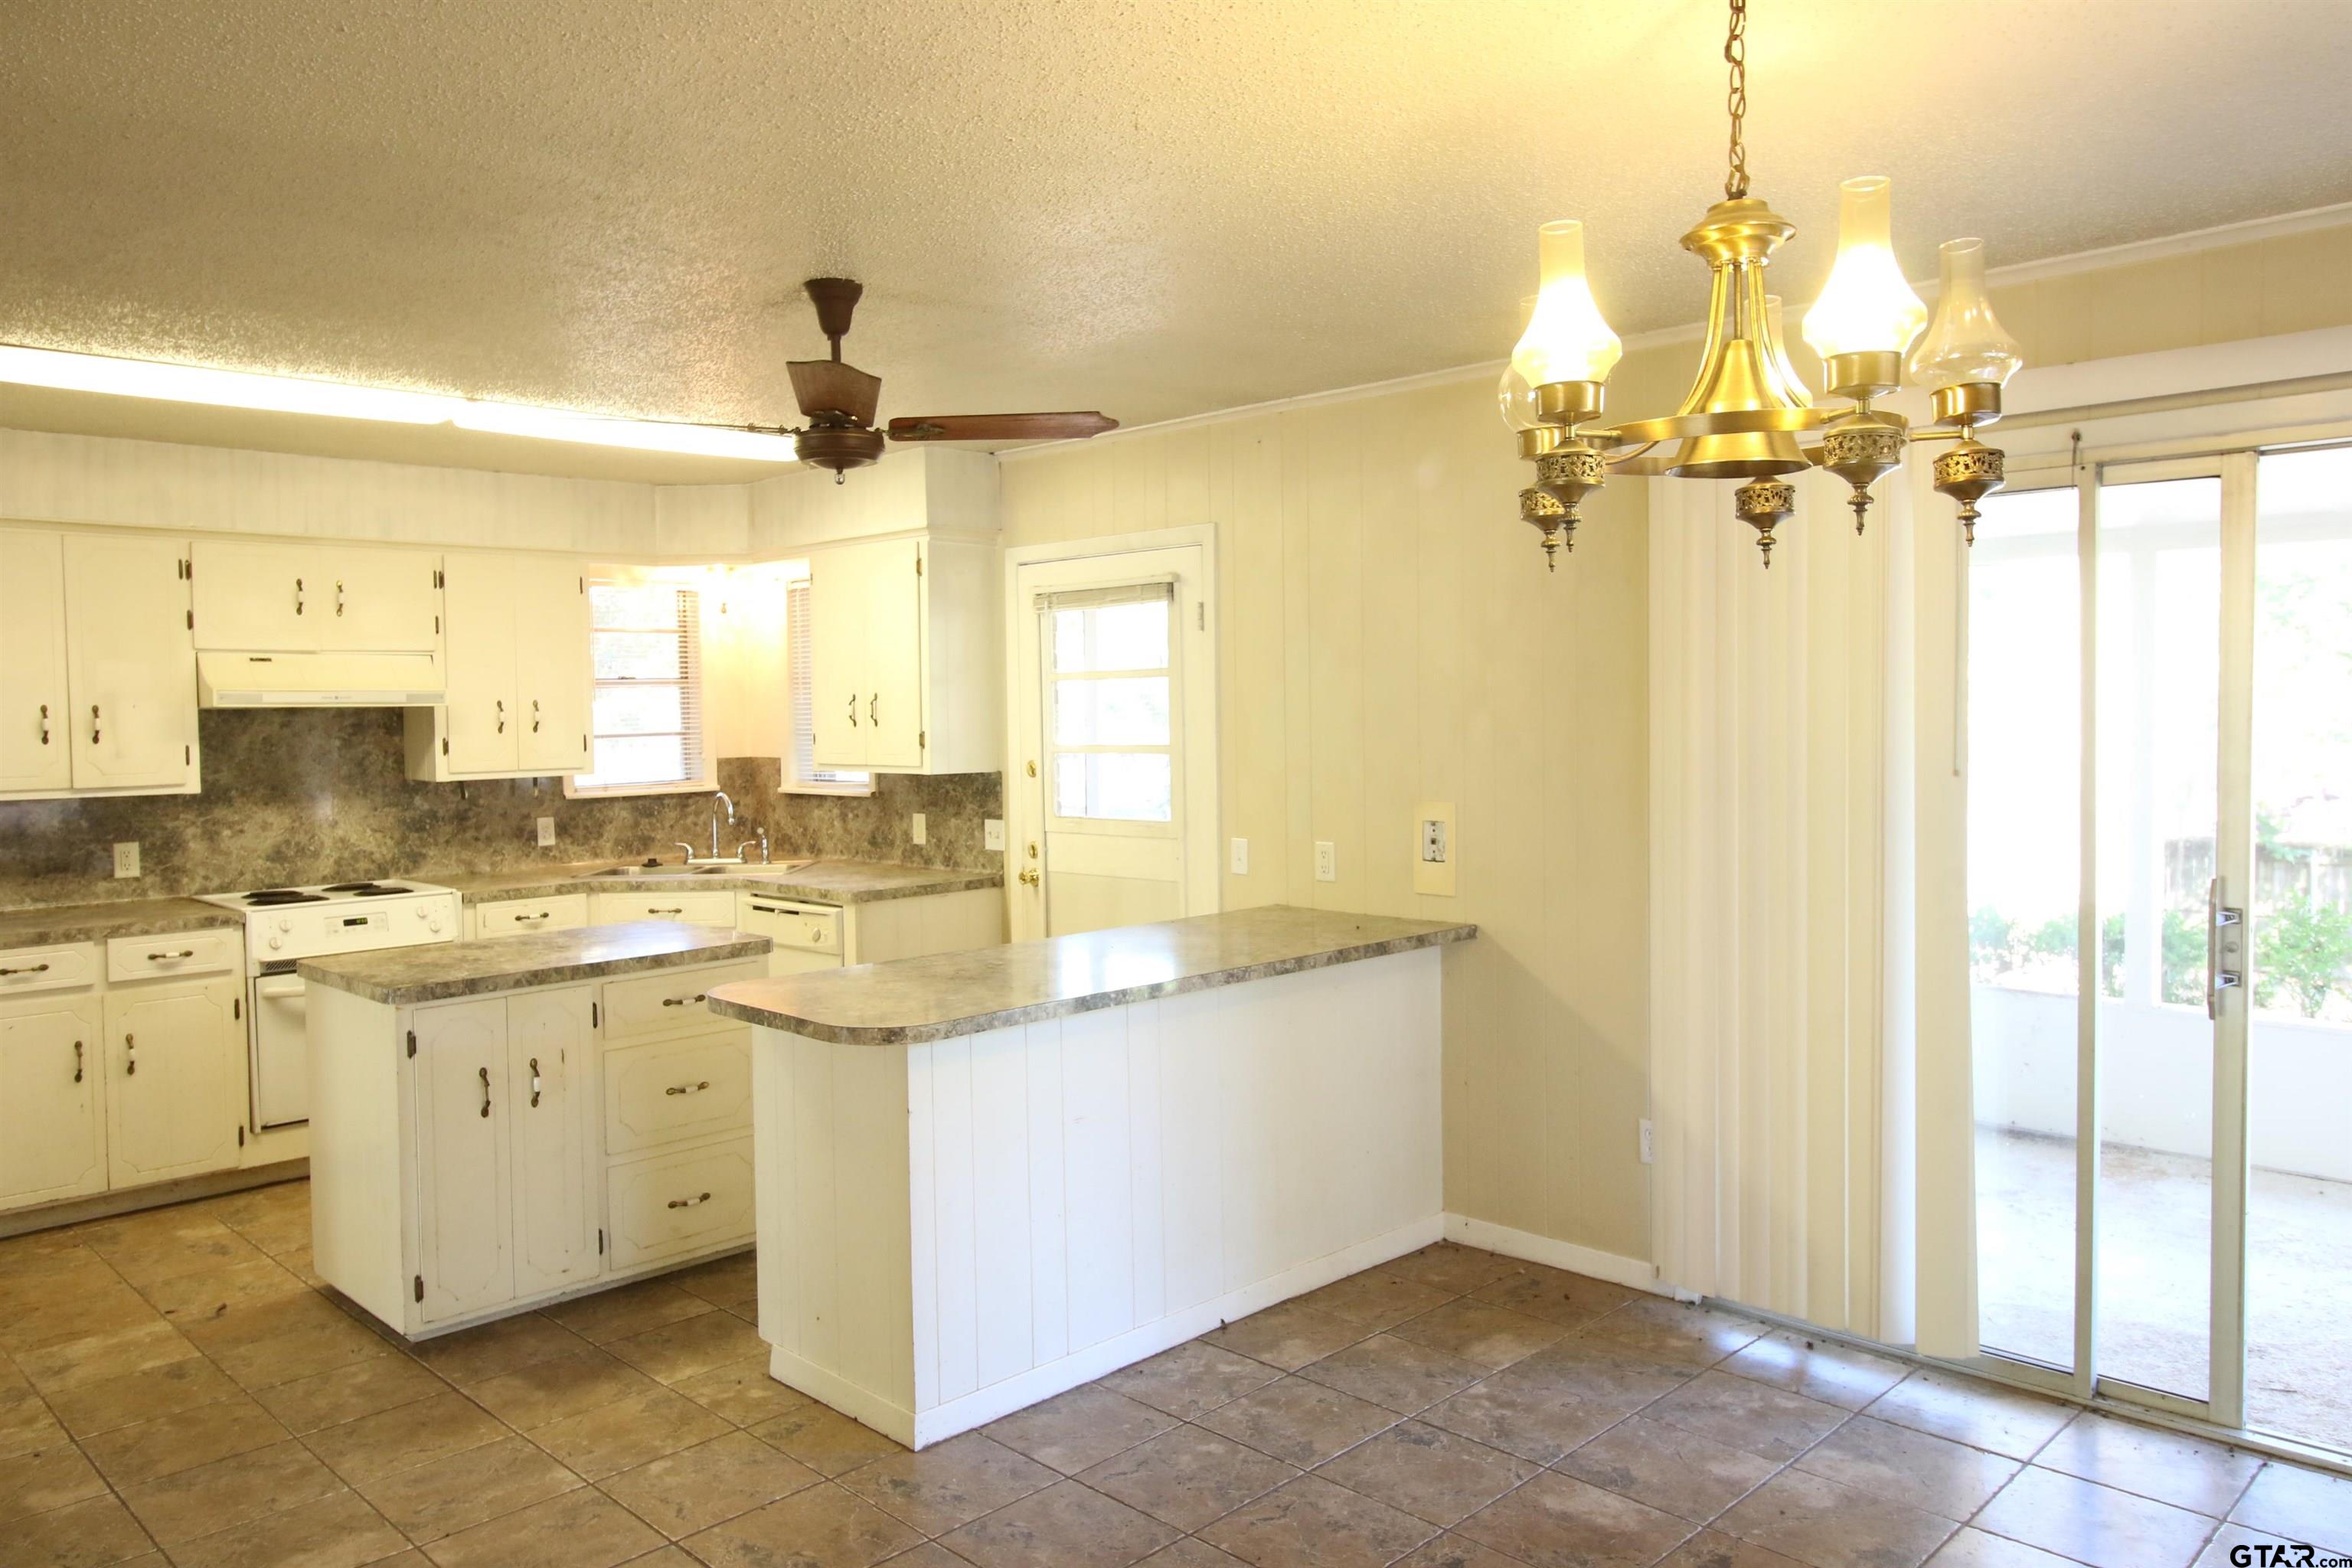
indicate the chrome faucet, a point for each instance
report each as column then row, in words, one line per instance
column 722, row 799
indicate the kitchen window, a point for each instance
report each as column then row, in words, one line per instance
column 801, row 776
column 645, row 647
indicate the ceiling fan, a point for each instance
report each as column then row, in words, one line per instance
column 838, row 400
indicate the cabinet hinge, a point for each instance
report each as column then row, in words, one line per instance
column 240, row 1135
column 437, row 625
column 188, row 755
column 420, row 1287
column 1201, row 614
column 600, row 1241
column 583, row 585
column 439, row 581
column 412, row 1042
column 237, row 1006
column 919, row 563
column 192, row 620
column 922, row 740
column 445, row 745
column 595, row 1015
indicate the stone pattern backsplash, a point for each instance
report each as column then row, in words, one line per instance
column 297, row 795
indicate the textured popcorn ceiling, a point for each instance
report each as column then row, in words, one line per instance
column 1155, row 209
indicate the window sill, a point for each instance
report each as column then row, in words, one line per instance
column 852, row 791
column 702, row 786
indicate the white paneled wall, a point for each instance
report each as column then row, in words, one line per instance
column 1058, row 1199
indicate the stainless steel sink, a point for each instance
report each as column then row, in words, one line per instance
column 647, row 873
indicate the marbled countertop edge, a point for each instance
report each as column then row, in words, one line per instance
column 491, row 966
column 55, row 925
column 830, row 881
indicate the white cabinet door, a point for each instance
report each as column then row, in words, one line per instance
column 257, row 596
column 35, row 746
column 552, row 676
column 464, row 1200
column 839, row 583
column 174, row 1080
column 376, row 601
column 480, row 728
column 52, row 1069
column 552, row 1101
column 894, row 655
column 131, row 667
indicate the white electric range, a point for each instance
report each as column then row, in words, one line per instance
column 285, row 925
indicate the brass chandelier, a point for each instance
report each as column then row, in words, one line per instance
column 1749, row 416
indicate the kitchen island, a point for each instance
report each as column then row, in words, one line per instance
column 501, row 1123
column 986, row 1177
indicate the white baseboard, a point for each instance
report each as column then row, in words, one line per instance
column 921, row 1429
column 1529, row 1247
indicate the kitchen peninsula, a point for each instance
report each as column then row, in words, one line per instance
column 497, row 1123
column 986, row 1177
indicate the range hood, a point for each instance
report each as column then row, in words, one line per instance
column 226, row 679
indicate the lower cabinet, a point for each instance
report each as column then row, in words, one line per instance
column 474, row 1158
column 124, row 1086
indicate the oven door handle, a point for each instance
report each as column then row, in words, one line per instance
column 277, row 988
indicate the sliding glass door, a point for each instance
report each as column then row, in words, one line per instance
column 2159, row 767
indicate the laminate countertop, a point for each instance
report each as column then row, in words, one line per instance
column 439, row 972
column 939, row 998
column 56, row 923
column 818, row 882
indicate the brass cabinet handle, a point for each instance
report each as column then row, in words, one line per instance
column 339, row 597
column 45, row 723
column 873, row 710
column 28, row 969
column 683, row 1001
column 167, row 957
column 540, row 916
column 688, row 1203
column 502, row 715
column 77, row 1061
column 298, row 595
column 93, row 723
column 534, row 1083
column 654, row 911
column 687, row 1087
column 534, row 715
column 853, row 711
column 486, row 1092
column 130, row 1055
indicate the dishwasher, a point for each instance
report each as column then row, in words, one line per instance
column 807, row 936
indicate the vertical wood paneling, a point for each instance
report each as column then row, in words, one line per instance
column 1048, row 1202
column 939, row 1134
column 1195, row 1151
column 1147, row 1215
column 1100, row 1203
column 1001, row 1209
column 816, row 1329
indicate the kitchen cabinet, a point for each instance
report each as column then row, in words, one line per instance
column 52, row 1121
column 289, row 596
column 175, row 1066
column 35, row 747
column 695, row 906
column 904, row 662
column 97, row 684
column 474, row 1157
column 514, row 917
column 518, row 677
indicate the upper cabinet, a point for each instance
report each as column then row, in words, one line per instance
column 98, row 681
column 905, row 670
column 269, row 596
column 518, row 686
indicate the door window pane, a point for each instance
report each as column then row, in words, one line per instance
column 2024, row 879
column 1111, row 637
column 2299, row 1111
column 1125, row 710
column 1132, row 786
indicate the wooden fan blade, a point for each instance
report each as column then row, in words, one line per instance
column 1000, row 426
column 829, row 387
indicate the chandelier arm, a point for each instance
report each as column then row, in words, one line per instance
column 1735, row 54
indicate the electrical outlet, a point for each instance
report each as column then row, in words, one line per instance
column 1434, row 852
column 923, row 833
column 1649, row 1140
column 1327, row 861
column 1241, row 857
column 126, row 858
column 546, row 832
column 991, row 834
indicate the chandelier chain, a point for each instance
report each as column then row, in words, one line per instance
column 1735, row 54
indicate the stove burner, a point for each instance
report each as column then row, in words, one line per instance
column 378, row 890
column 270, row 896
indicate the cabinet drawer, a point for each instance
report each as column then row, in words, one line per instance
column 182, row 952
column 671, row 1205
column 700, row 907
column 675, row 1089
column 670, row 1002
column 48, row 968
column 512, row 917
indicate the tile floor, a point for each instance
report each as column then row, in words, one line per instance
column 175, row 1387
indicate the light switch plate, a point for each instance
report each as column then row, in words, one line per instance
column 546, row 831
column 991, row 834
column 922, row 832
column 1434, row 848
column 1327, row 861
column 1241, row 857
column 126, row 858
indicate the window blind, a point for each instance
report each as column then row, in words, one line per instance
column 646, row 645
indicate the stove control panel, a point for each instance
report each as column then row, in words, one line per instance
column 315, row 930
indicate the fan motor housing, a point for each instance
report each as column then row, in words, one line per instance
column 838, row 447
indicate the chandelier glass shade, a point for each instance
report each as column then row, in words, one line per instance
column 1749, row 415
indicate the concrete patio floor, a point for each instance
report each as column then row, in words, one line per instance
column 2155, row 1217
